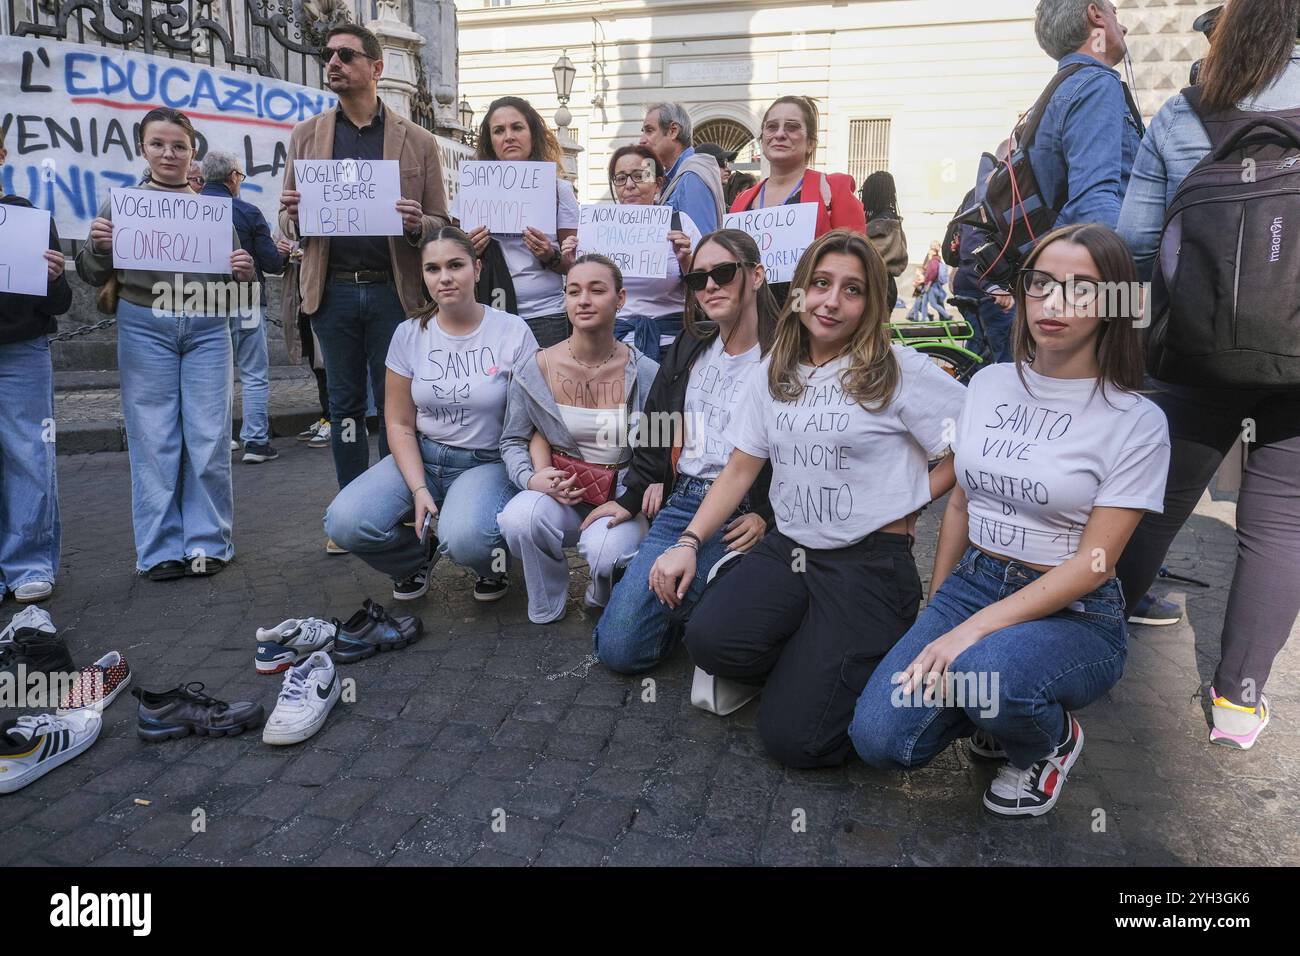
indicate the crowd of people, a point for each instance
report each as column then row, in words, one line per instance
column 522, row 384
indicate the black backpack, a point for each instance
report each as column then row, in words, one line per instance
column 1225, row 302
column 1013, row 212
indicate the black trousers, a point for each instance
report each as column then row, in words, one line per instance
column 810, row 625
column 1265, row 595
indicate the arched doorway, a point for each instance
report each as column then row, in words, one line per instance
column 729, row 134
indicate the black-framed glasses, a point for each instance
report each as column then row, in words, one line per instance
column 345, row 53
column 720, row 274
column 637, row 176
column 1076, row 292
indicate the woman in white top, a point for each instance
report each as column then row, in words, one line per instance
column 512, row 131
column 1057, row 459
column 848, row 422
column 579, row 399
column 449, row 368
column 651, row 318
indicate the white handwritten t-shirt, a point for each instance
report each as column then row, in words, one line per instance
column 538, row 290
column 1034, row 463
column 716, row 383
column 839, row 471
column 459, row 382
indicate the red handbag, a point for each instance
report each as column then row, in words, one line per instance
column 595, row 481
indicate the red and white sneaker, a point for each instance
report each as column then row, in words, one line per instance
column 98, row 685
column 1032, row 792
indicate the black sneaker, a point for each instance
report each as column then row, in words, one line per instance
column 35, row 651
column 984, row 744
column 255, row 454
column 1032, row 792
column 187, row 710
column 371, row 630
column 485, row 590
column 166, row 571
column 414, row 586
column 204, row 567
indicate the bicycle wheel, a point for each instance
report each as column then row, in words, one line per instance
column 958, row 363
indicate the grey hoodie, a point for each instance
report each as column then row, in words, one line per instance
column 531, row 407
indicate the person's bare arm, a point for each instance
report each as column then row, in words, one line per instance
column 954, row 539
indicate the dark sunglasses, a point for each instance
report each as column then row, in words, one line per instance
column 720, row 274
column 345, row 53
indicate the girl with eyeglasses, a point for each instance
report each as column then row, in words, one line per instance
column 691, row 403
column 1057, row 458
column 789, row 139
column 570, row 420
column 176, row 381
column 530, row 267
column 847, row 422
column 652, row 316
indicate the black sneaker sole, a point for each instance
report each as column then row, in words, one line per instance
column 493, row 596
column 177, row 731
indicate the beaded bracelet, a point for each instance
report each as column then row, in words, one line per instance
column 688, row 533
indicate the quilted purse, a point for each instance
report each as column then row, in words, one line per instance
column 595, row 481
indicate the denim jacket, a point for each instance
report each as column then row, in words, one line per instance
column 1174, row 144
column 1086, row 144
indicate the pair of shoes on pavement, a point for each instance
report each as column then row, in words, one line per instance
column 417, row 585
column 316, row 435
column 366, row 633
column 196, row 567
column 1033, row 791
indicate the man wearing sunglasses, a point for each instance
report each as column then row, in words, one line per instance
column 357, row 290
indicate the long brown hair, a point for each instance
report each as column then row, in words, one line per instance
column 1251, row 45
column 546, row 148
column 1119, row 347
column 872, row 374
column 451, row 234
column 745, row 249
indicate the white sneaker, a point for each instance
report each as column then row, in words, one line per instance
column 30, row 747
column 234, row 445
column 34, row 618
column 718, row 695
column 322, row 437
column 310, row 691
column 33, row 591
column 293, row 641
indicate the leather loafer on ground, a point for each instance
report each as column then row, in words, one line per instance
column 166, row 571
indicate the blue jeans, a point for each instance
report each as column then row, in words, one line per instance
column 469, row 487
column 354, row 325
column 176, row 385
column 997, row 328
column 29, row 491
column 636, row 631
column 249, row 338
column 934, row 299
column 918, row 313
column 1016, row 683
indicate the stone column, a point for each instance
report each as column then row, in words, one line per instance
column 436, row 21
column 398, row 85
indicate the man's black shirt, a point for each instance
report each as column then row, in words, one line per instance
column 359, row 253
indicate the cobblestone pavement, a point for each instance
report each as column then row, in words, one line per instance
column 490, row 718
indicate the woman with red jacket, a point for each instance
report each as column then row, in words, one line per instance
column 789, row 139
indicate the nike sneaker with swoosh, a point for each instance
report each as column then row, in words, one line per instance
column 310, row 691
column 292, row 642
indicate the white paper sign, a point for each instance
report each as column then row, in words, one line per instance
column 171, row 232
column 635, row 237
column 24, row 237
column 506, row 197
column 348, row 197
column 782, row 234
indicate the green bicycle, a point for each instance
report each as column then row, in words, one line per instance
column 946, row 343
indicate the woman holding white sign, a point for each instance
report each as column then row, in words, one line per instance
column 651, row 319
column 789, row 140
column 847, row 422
column 449, row 369
column 175, row 365
column 1059, row 457
column 534, row 263
column 570, row 425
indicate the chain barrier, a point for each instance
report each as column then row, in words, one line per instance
column 84, row 330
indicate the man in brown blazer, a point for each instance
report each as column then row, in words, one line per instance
column 358, row 289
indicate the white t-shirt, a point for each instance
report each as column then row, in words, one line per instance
column 717, row 381
column 839, row 471
column 656, row 297
column 459, row 382
column 1033, row 466
column 538, row 290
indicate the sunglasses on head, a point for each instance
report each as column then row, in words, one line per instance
column 720, row 274
column 345, row 53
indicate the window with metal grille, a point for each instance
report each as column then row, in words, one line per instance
column 868, row 147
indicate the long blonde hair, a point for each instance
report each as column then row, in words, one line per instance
column 872, row 374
